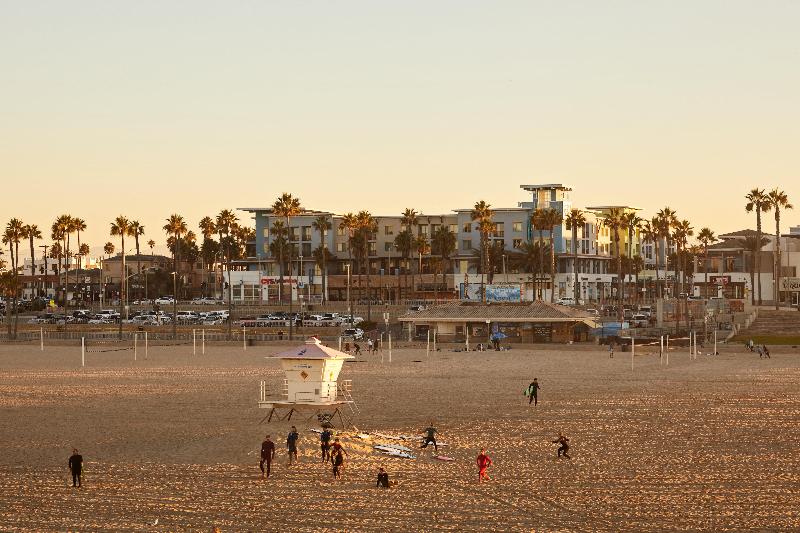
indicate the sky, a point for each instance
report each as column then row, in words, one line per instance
column 150, row 108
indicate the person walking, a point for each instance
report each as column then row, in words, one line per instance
column 563, row 443
column 369, row 345
column 357, row 348
column 325, row 444
column 484, row 462
column 611, row 350
column 291, row 444
column 533, row 392
column 383, row 479
column 766, row 351
column 338, row 465
column 76, row 467
column 267, row 455
column 336, row 448
column 430, row 437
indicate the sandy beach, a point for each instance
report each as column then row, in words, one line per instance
column 707, row 445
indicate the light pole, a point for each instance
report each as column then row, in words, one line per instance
column 349, row 305
column 504, row 267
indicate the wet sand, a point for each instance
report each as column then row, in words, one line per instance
column 708, row 445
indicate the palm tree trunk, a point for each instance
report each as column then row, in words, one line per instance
column 758, row 252
column 777, row 261
column 752, row 278
column 121, row 285
column 552, row 267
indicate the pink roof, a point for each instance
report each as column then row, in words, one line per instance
column 312, row 349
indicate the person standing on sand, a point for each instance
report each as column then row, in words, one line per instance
column 76, row 467
column 291, row 444
column 766, row 351
column 564, row 446
column 357, row 348
column 336, row 448
column 325, row 444
column 369, row 345
column 484, row 462
column 430, row 437
column 611, row 350
column 338, row 465
column 267, row 455
column 533, row 392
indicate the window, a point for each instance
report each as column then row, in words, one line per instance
column 341, row 246
column 306, row 249
column 306, row 233
column 266, row 248
column 294, row 233
column 341, row 231
column 499, row 229
column 387, row 230
column 517, row 243
column 373, row 249
column 266, row 232
column 517, row 226
column 466, row 244
column 435, row 228
column 453, row 228
column 388, row 247
column 423, row 229
column 467, row 227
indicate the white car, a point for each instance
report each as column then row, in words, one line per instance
column 352, row 333
column 566, row 301
column 165, row 300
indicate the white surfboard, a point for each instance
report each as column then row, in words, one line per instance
column 396, row 453
column 392, row 447
column 443, row 458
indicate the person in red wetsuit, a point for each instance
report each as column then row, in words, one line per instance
column 484, row 462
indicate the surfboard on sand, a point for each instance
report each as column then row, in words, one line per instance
column 395, row 453
column 443, row 458
column 390, row 437
column 392, row 447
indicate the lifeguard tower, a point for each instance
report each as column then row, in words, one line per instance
column 311, row 384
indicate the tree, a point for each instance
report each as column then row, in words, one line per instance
column 753, row 246
column 121, row 227
column 757, row 201
column 138, row 231
column 649, row 233
column 108, row 249
column 574, row 220
column 637, row 265
column 528, row 257
column 287, row 206
column 60, row 232
column 482, row 215
column 175, row 227
column 151, row 243
column 778, row 200
column 681, row 233
column 632, row 223
column 14, row 233
column 706, row 237
column 226, row 223
column 614, row 221
column 443, row 244
column 422, row 247
column 665, row 219
column 539, row 223
column 551, row 219
column 31, row 232
column 405, row 239
column 207, row 227
column 323, row 225
column 367, row 226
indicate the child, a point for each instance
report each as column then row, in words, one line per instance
column 484, row 462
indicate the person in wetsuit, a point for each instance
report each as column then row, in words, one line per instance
column 267, row 455
column 76, row 467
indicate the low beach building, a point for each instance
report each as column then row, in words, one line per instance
column 530, row 322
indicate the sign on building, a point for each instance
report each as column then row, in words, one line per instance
column 790, row 284
column 494, row 293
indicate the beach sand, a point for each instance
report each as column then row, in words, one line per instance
column 710, row 444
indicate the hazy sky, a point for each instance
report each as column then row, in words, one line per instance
column 151, row 107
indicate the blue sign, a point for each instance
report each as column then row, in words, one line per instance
column 494, row 293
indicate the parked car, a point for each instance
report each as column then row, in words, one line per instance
column 417, row 308
column 165, row 300
column 646, row 310
column 640, row 320
column 566, row 301
column 594, row 312
column 352, row 333
column 107, row 314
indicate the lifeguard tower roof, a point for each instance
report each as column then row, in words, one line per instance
column 312, row 349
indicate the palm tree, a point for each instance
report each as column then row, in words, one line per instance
column 443, row 244
column 405, row 239
column 637, row 265
column 539, row 223
column 108, row 249
column 649, row 233
column 31, row 232
column 758, row 201
column 323, row 225
column 12, row 236
column 226, row 223
column 138, row 230
column 175, row 228
column 207, row 227
column 404, row 242
column 665, row 220
column 482, row 214
column 632, row 224
column 288, row 206
column 574, row 220
column 753, row 247
column 778, row 200
column 151, row 243
column 682, row 231
column 422, row 246
column 367, row 226
column 552, row 218
column 121, row 227
column 706, row 237
column 60, row 232
column 614, row 221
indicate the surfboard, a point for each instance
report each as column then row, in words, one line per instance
column 317, row 431
column 364, row 436
column 390, row 437
column 392, row 447
column 396, row 453
column 443, row 458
